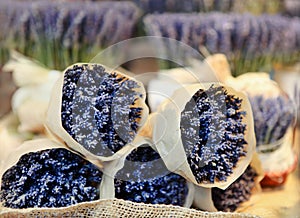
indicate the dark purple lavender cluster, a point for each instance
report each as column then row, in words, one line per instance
column 212, row 134
column 50, row 178
column 98, row 108
column 272, row 117
column 231, row 33
column 145, row 178
column 238, row 192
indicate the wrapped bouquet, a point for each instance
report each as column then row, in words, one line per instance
column 274, row 117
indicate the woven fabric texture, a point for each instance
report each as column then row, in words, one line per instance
column 117, row 208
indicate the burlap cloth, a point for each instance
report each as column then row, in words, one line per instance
column 116, row 208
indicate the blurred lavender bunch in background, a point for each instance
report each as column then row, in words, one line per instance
column 272, row 117
column 59, row 33
column 161, row 6
column 250, row 42
column 253, row 6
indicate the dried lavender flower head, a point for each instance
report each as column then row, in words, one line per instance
column 145, row 178
column 213, row 133
column 238, row 192
column 50, row 178
column 101, row 110
column 273, row 116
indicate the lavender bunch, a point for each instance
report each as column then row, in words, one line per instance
column 244, row 38
column 50, row 178
column 162, row 6
column 241, row 30
column 238, row 192
column 98, row 108
column 272, row 117
column 58, row 33
column 213, row 134
column 14, row 32
column 145, row 178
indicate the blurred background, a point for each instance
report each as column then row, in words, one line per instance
column 255, row 35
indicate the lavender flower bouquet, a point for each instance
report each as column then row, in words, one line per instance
column 274, row 116
column 96, row 111
column 140, row 175
column 205, row 133
column 44, row 173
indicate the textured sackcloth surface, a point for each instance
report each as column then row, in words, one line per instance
column 117, row 208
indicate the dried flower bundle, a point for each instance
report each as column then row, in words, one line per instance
column 114, row 104
column 213, row 134
column 58, row 33
column 50, row 178
column 207, row 134
column 238, row 192
column 100, row 110
column 145, row 178
column 244, row 38
column 272, row 117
